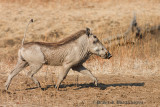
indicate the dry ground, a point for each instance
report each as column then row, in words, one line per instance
column 138, row 90
column 132, row 75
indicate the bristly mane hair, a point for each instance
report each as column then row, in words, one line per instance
column 63, row 41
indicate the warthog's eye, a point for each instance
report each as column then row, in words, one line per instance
column 94, row 36
column 94, row 42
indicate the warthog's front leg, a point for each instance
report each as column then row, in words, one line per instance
column 85, row 71
column 62, row 75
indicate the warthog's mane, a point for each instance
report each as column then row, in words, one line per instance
column 61, row 42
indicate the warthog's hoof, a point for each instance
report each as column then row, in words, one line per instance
column 6, row 87
column 57, row 88
column 96, row 83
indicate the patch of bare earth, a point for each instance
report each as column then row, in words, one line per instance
column 112, row 90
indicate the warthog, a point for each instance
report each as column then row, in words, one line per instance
column 69, row 53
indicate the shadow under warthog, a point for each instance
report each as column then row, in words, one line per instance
column 101, row 86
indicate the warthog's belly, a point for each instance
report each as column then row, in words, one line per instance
column 54, row 57
column 54, row 60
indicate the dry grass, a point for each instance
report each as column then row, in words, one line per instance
column 56, row 19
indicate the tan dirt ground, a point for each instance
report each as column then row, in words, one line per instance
column 130, row 90
column 132, row 75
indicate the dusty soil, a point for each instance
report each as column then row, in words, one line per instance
column 130, row 78
column 112, row 90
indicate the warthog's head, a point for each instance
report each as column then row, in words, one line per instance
column 96, row 47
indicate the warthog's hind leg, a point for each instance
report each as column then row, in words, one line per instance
column 85, row 71
column 34, row 69
column 20, row 65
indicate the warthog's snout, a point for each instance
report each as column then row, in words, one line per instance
column 109, row 55
column 106, row 56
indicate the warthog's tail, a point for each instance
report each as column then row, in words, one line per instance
column 26, row 31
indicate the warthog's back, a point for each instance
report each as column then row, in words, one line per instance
column 44, row 52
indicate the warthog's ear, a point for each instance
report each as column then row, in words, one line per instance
column 87, row 31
